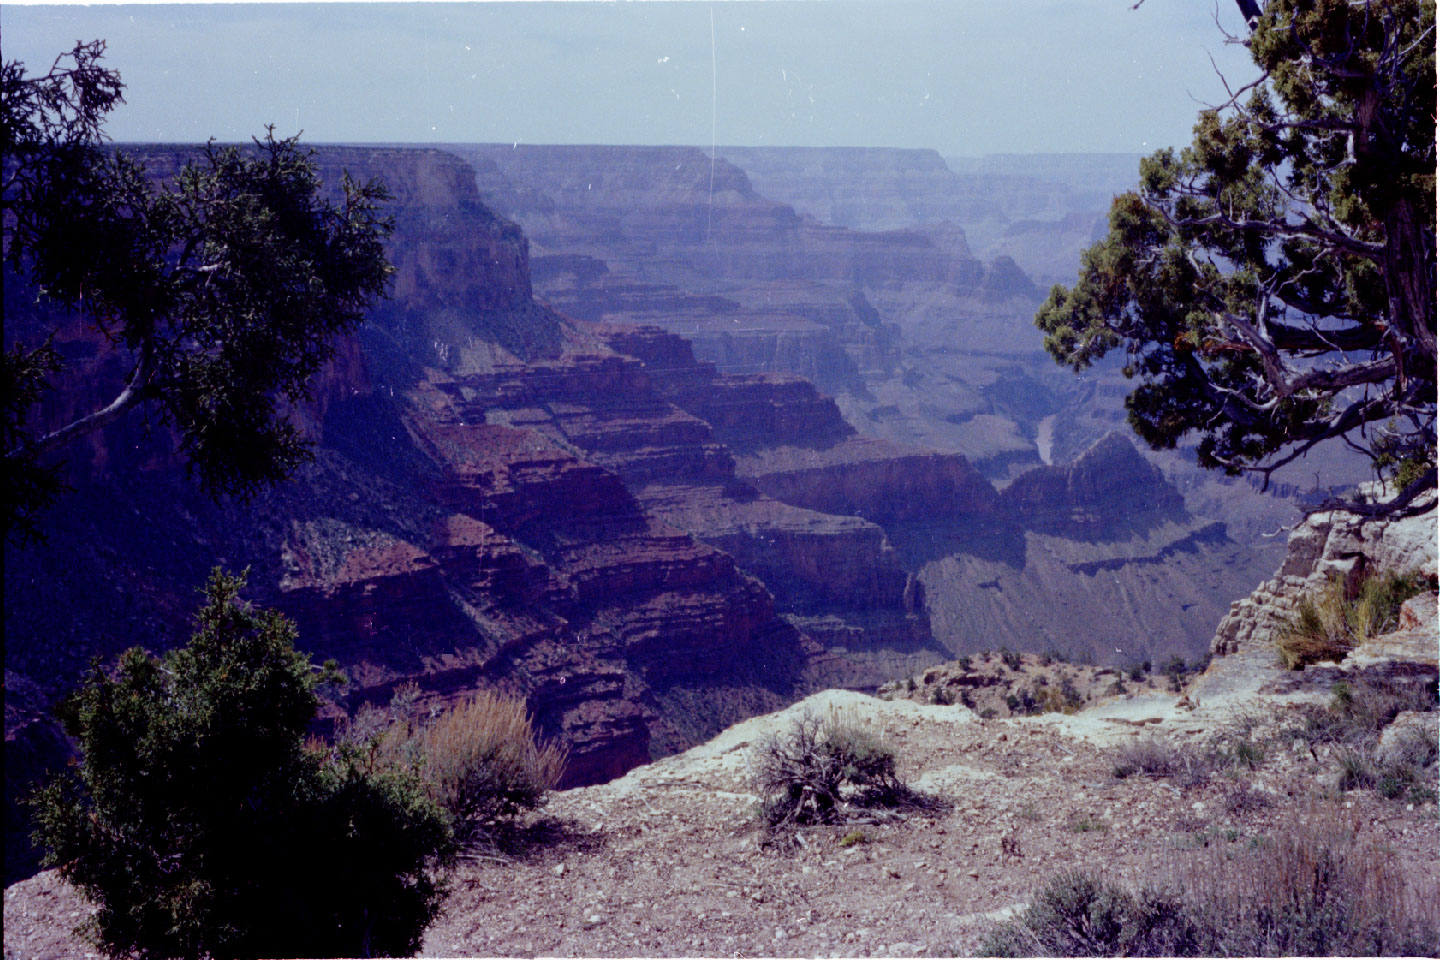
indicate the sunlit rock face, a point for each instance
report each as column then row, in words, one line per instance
column 1326, row 547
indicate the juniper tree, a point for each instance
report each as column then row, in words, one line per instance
column 1272, row 285
column 224, row 289
column 200, row 825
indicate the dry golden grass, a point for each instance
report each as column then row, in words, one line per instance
column 1313, row 889
column 479, row 760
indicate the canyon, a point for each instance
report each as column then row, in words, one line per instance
column 644, row 447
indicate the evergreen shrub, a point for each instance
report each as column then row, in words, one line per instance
column 199, row 824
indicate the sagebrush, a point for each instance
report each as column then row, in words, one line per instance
column 1312, row 889
column 479, row 760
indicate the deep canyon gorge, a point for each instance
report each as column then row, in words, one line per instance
column 657, row 441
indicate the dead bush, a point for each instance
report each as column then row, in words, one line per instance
column 826, row 771
column 1152, row 757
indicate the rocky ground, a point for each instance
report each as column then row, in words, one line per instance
column 1009, row 684
column 669, row 860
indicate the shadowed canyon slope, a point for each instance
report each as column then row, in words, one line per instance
column 645, row 545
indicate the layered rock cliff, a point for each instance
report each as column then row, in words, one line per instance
column 419, row 546
column 756, row 286
column 499, row 498
column 643, row 545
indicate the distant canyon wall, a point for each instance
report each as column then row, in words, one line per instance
column 539, row 470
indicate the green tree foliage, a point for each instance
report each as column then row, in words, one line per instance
column 225, row 288
column 200, row 825
column 1273, row 284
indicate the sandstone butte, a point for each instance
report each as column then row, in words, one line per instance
column 644, row 547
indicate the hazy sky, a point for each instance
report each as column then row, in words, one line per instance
column 962, row 76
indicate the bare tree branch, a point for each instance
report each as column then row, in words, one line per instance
column 134, row 393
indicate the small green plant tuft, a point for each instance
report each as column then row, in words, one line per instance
column 854, row 838
column 1088, row 825
column 1330, row 624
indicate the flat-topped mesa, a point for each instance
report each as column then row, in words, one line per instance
column 572, row 196
column 478, row 557
column 1108, row 489
column 765, row 409
column 512, row 479
column 864, row 188
column 602, row 404
column 577, row 378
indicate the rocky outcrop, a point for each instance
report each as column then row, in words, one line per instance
column 1324, row 547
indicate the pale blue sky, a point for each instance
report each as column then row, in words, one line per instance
column 962, row 76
